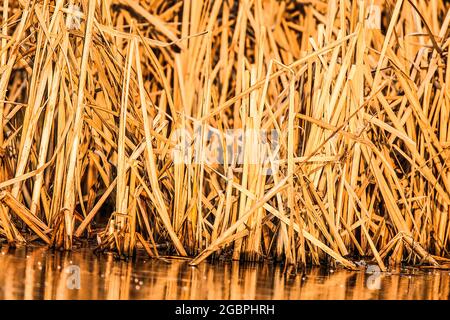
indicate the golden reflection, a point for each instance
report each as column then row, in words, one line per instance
column 39, row 273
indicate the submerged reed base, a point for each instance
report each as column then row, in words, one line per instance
column 308, row 132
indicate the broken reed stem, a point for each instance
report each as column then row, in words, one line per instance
column 250, row 129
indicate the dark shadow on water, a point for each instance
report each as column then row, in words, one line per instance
column 39, row 273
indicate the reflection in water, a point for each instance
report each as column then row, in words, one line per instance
column 39, row 273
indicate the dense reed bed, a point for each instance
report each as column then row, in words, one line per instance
column 124, row 110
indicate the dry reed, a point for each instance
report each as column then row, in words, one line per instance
column 94, row 94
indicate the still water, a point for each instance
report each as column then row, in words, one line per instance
column 39, row 273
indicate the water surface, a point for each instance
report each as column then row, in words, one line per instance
column 39, row 273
